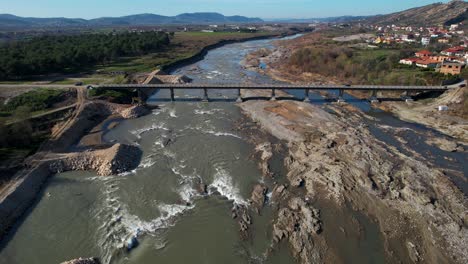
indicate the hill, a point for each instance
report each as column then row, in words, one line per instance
column 434, row 14
column 7, row 20
column 12, row 21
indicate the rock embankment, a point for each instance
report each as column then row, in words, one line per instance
column 83, row 261
column 135, row 111
column 116, row 159
column 335, row 157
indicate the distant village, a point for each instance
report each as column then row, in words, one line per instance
column 449, row 61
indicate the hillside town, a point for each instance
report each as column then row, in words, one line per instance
column 450, row 60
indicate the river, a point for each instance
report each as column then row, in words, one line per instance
column 157, row 208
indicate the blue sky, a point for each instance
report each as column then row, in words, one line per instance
column 254, row 8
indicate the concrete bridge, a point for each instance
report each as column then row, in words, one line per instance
column 146, row 90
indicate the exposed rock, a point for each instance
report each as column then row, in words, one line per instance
column 241, row 213
column 278, row 193
column 445, row 144
column 83, row 261
column 413, row 252
column 203, row 188
column 116, row 159
column 335, row 157
column 258, row 197
column 299, row 223
column 135, row 111
column 266, row 152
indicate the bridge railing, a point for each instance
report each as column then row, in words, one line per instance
column 142, row 89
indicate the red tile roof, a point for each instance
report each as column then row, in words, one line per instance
column 424, row 52
column 427, row 62
column 455, row 49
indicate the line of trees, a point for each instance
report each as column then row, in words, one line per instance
column 59, row 54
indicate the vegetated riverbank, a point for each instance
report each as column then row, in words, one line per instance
column 333, row 157
column 276, row 63
column 183, row 47
column 57, row 155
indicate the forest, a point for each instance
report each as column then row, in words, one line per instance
column 70, row 53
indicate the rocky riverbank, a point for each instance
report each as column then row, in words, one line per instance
column 333, row 157
column 114, row 160
column 453, row 122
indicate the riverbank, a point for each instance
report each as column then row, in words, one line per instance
column 454, row 123
column 420, row 213
column 200, row 55
column 57, row 155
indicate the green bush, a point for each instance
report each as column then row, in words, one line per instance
column 117, row 96
column 36, row 100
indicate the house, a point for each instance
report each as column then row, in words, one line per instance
column 449, row 67
column 425, row 41
column 453, row 51
column 423, row 54
column 378, row 40
column 443, row 40
column 453, row 27
column 441, row 58
column 409, row 61
column 427, row 63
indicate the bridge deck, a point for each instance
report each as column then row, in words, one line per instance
column 275, row 86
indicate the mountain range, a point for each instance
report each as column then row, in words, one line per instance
column 455, row 11
column 12, row 21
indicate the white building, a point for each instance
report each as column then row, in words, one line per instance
column 453, row 27
column 409, row 61
column 425, row 41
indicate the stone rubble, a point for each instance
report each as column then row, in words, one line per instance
column 114, row 160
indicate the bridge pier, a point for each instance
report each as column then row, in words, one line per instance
column 239, row 97
column 373, row 99
column 341, row 96
column 205, row 95
column 142, row 97
column 306, row 95
column 407, row 96
column 172, row 95
column 273, row 94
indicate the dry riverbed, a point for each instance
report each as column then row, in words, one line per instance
column 333, row 157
